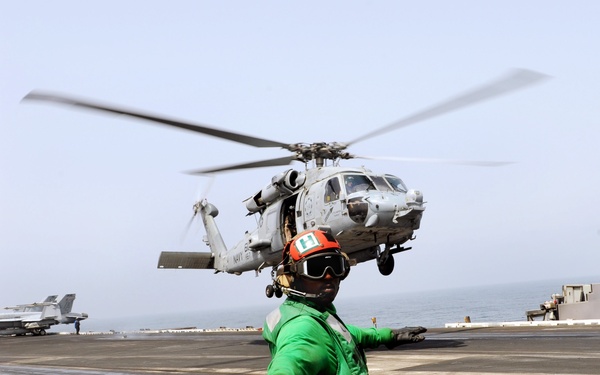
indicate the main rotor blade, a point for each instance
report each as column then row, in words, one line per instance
column 516, row 80
column 235, row 137
column 256, row 164
column 443, row 161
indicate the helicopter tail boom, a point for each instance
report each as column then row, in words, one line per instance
column 208, row 212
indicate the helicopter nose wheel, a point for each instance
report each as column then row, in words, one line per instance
column 385, row 261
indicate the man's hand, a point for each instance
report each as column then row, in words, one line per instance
column 406, row 335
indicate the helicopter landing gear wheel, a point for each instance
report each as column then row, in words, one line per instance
column 385, row 261
column 278, row 292
column 387, row 267
column 269, row 291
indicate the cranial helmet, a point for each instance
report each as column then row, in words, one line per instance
column 312, row 254
column 310, row 242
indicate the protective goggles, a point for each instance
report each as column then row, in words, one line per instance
column 316, row 266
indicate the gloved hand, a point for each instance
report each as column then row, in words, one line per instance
column 406, row 335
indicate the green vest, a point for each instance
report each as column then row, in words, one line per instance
column 304, row 340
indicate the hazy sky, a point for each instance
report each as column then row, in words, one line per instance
column 88, row 201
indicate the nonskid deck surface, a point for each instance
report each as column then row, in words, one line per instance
column 495, row 350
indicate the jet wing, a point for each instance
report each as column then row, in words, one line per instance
column 186, row 260
column 15, row 319
column 21, row 307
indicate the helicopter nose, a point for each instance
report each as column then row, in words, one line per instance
column 383, row 209
column 387, row 210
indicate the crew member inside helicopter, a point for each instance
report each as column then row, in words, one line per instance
column 356, row 183
column 289, row 229
column 305, row 334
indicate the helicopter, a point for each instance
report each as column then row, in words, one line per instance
column 372, row 215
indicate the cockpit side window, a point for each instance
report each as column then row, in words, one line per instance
column 332, row 190
column 396, row 183
column 357, row 182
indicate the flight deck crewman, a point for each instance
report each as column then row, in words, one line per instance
column 305, row 334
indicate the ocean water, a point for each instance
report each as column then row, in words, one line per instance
column 432, row 309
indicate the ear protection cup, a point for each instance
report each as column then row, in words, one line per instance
column 283, row 277
column 284, row 281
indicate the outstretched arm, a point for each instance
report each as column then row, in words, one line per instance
column 374, row 337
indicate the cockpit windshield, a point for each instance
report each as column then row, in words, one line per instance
column 357, row 182
column 396, row 183
column 381, row 183
column 361, row 182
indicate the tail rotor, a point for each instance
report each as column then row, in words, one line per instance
column 202, row 193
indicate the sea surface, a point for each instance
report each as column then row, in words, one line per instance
column 432, row 309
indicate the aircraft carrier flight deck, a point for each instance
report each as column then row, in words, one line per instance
column 568, row 349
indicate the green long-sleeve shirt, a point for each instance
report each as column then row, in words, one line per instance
column 304, row 340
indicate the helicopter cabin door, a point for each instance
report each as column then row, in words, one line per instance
column 288, row 218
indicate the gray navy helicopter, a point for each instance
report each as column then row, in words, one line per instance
column 371, row 214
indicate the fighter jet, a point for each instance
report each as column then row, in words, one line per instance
column 36, row 317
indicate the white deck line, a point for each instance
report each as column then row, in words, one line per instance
column 535, row 323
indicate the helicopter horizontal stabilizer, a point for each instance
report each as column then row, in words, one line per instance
column 186, row 260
